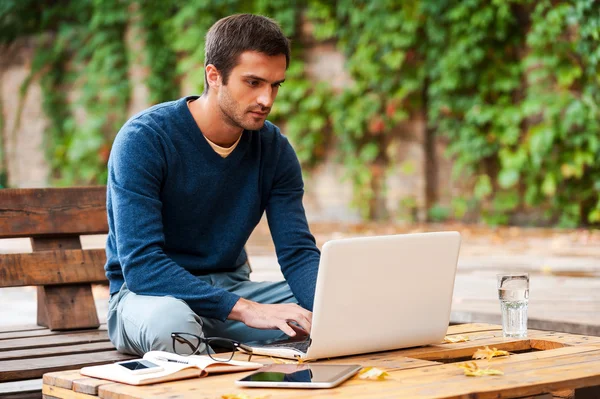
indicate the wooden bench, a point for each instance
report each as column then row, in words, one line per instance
column 68, row 334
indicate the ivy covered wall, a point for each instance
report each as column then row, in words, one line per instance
column 512, row 86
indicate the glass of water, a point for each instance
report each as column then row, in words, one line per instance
column 513, row 292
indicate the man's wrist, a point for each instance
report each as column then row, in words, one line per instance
column 239, row 310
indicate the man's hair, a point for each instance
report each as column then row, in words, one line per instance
column 229, row 37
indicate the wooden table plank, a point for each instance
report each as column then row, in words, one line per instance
column 89, row 385
column 51, row 392
column 471, row 328
column 75, row 381
column 62, row 379
column 521, row 378
column 567, row 339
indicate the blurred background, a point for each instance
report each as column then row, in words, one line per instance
column 406, row 115
column 471, row 110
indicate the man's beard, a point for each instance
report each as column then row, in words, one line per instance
column 233, row 116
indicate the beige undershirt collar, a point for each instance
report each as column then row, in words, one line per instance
column 222, row 151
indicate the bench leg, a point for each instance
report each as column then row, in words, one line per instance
column 64, row 307
column 67, row 307
column 588, row 393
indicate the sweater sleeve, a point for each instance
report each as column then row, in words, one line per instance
column 296, row 250
column 136, row 170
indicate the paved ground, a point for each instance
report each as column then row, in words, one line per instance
column 564, row 269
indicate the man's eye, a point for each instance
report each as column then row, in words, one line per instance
column 253, row 83
column 278, row 84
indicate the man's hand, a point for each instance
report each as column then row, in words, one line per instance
column 272, row 316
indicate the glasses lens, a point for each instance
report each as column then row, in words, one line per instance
column 187, row 344
column 222, row 349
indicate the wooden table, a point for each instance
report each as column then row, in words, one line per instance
column 544, row 365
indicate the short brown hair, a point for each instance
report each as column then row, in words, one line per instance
column 229, row 37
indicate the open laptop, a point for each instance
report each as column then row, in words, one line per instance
column 377, row 293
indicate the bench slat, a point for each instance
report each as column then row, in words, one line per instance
column 53, row 340
column 12, row 370
column 42, row 332
column 18, row 328
column 40, row 268
column 21, row 389
column 51, row 211
column 56, row 350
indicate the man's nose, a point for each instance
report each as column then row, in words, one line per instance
column 266, row 97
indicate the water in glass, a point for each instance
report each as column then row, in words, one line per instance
column 513, row 304
column 513, row 292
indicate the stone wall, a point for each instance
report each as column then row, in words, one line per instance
column 23, row 139
column 328, row 197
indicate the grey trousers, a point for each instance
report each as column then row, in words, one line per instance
column 139, row 323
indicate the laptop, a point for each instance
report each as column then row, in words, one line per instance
column 376, row 294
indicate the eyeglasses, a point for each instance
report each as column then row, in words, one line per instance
column 185, row 344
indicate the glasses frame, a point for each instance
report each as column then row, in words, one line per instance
column 237, row 346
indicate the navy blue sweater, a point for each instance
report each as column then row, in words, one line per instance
column 177, row 209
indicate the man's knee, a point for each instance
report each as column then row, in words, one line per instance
column 169, row 316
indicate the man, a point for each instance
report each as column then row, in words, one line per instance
column 188, row 182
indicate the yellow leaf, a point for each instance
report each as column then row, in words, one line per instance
column 285, row 361
column 372, row 373
column 454, row 339
column 472, row 370
column 546, row 270
column 241, row 396
column 488, row 353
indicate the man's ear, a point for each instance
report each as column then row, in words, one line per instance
column 213, row 77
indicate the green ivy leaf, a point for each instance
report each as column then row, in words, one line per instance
column 549, row 185
column 483, row 187
column 508, row 178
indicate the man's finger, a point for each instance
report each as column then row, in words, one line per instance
column 285, row 327
column 301, row 322
column 303, row 313
column 298, row 329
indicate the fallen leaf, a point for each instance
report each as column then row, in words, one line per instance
column 241, row 396
column 455, row 339
column 488, row 353
column 372, row 373
column 472, row 370
column 287, row 361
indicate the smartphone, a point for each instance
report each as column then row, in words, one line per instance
column 140, row 366
column 313, row 375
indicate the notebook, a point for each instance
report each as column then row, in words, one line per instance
column 172, row 367
column 376, row 294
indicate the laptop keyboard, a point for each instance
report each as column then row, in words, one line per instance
column 302, row 346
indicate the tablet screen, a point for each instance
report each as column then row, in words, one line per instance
column 302, row 373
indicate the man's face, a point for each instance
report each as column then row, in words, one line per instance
column 251, row 89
